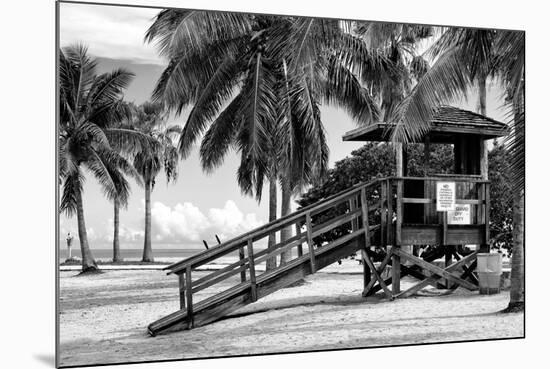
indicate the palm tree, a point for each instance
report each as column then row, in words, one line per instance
column 150, row 119
column 90, row 107
column 476, row 51
column 256, row 77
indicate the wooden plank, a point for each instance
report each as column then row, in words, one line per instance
column 436, row 270
column 189, row 297
column 298, row 234
column 414, row 200
column 335, row 222
column 378, row 270
column 352, row 206
column 290, row 243
column 242, row 260
column 310, row 243
column 252, row 271
column 210, row 281
column 411, row 291
column 181, row 280
column 381, row 282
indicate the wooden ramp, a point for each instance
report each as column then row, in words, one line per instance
column 324, row 233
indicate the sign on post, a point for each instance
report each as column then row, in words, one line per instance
column 460, row 214
column 445, row 196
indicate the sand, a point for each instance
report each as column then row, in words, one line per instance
column 103, row 318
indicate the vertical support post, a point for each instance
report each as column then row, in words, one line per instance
column 383, row 213
column 389, row 214
column 241, row 257
column 352, row 206
column 399, row 159
column 181, row 279
column 366, row 226
column 396, row 260
column 448, row 261
column 189, row 295
column 310, row 243
column 252, row 270
column 484, row 160
column 487, row 217
column 445, row 227
column 298, row 232
column 479, row 207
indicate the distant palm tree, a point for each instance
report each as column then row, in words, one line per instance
column 257, row 77
column 90, row 108
column 150, row 120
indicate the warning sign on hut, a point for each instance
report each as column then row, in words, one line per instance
column 446, row 196
column 460, row 214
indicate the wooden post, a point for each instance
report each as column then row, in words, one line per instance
column 398, row 159
column 310, row 243
column 448, row 261
column 366, row 226
column 298, row 232
column 189, row 295
column 396, row 260
column 389, row 215
column 241, row 257
column 252, row 269
column 181, row 279
column 487, row 217
column 383, row 213
column 484, row 160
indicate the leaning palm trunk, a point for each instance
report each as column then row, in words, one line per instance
column 271, row 263
column 286, row 233
column 517, row 291
column 88, row 262
column 116, row 224
column 147, row 250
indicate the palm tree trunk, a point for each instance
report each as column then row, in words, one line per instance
column 88, row 261
column 271, row 263
column 482, row 109
column 116, row 241
column 147, row 250
column 286, row 233
column 517, row 291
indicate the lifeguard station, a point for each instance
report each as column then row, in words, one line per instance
column 389, row 214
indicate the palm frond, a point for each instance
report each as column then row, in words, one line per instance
column 174, row 30
column 72, row 188
column 213, row 96
column 444, row 82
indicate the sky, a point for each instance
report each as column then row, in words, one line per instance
column 198, row 206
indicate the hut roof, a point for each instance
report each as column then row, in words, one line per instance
column 446, row 124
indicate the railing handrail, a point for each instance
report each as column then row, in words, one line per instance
column 260, row 232
column 236, row 242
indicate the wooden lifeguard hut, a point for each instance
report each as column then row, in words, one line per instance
column 386, row 215
column 441, row 210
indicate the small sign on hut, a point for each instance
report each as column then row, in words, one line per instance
column 460, row 214
column 446, row 196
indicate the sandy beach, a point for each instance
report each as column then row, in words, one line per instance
column 103, row 318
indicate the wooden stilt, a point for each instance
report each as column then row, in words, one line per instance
column 181, row 279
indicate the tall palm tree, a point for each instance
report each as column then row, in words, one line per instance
column 254, row 77
column 90, row 108
column 150, row 119
column 475, row 48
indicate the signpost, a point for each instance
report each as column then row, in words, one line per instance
column 445, row 196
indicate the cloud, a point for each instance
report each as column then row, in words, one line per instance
column 115, row 32
column 186, row 223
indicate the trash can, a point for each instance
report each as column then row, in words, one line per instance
column 489, row 269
